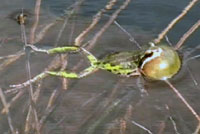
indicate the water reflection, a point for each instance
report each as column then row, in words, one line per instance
column 102, row 102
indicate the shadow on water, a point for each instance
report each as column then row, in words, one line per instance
column 101, row 103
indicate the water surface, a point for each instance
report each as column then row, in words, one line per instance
column 102, row 102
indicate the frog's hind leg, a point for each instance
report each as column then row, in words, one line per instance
column 93, row 67
column 92, row 59
column 73, row 75
column 55, row 50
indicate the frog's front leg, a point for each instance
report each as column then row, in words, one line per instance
column 73, row 75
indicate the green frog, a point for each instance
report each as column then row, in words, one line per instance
column 158, row 62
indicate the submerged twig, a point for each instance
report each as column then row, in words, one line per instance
column 183, row 100
column 192, row 76
column 107, row 112
column 197, row 130
column 131, row 38
column 173, row 121
column 49, row 108
column 3, row 99
column 69, row 14
column 142, row 127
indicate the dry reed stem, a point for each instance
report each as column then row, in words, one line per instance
column 9, row 61
column 93, row 113
column 64, row 61
column 43, row 32
column 197, row 130
column 131, row 38
column 69, row 14
column 192, row 76
column 62, row 30
column 32, row 116
column 49, row 108
column 104, row 115
column 27, row 126
column 6, row 107
column 97, row 17
column 110, row 21
column 32, row 109
column 13, row 100
column 114, row 90
column 12, row 55
column 187, row 34
column 37, row 92
column 174, row 21
column 36, row 21
column 183, row 100
column 191, row 51
column 31, row 121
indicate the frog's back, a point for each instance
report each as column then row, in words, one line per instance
column 122, row 63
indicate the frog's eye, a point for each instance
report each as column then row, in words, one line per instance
column 147, row 54
column 150, row 55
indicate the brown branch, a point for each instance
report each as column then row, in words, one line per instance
column 197, row 130
column 174, row 21
column 36, row 21
column 96, row 19
column 183, row 100
column 6, row 107
column 110, row 21
column 50, row 107
column 187, row 34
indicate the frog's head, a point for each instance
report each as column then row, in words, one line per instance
column 160, row 62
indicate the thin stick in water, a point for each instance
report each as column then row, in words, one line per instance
column 36, row 21
column 3, row 99
column 183, row 100
column 96, row 19
column 187, row 34
column 174, row 21
column 110, row 21
column 142, row 127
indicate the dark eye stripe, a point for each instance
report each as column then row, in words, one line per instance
column 147, row 55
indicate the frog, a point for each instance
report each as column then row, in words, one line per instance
column 157, row 62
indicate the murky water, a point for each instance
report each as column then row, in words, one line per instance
column 101, row 103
